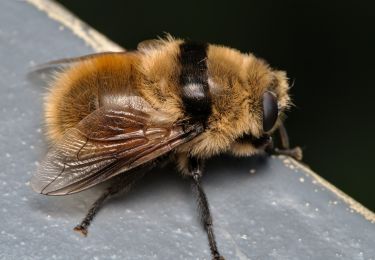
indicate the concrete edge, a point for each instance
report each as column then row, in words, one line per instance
column 89, row 35
column 352, row 203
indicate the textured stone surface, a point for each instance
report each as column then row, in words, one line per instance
column 263, row 208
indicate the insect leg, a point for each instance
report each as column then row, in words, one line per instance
column 123, row 183
column 195, row 170
column 295, row 152
column 284, row 137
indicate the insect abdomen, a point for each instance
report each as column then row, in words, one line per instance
column 78, row 91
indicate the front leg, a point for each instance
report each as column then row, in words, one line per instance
column 195, row 173
column 295, row 152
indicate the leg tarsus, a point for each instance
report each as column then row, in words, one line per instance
column 80, row 229
column 295, row 152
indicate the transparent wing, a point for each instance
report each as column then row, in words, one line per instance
column 107, row 142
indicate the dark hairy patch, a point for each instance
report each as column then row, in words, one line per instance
column 256, row 142
column 194, row 80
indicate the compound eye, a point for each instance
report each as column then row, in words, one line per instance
column 270, row 110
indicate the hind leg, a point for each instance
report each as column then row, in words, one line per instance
column 121, row 184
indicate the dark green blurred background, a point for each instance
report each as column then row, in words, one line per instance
column 327, row 48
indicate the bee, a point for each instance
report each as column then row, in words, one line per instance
column 116, row 115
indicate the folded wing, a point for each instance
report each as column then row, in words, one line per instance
column 110, row 141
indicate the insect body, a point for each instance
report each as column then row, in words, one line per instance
column 116, row 114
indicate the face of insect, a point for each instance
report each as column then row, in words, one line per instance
column 268, row 99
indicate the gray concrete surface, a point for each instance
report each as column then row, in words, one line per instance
column 263, row 208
